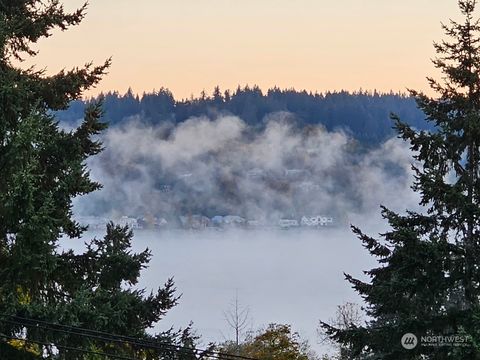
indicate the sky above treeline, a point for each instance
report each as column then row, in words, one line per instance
column 191, row 45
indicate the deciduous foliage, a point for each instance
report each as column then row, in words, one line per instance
column 42, row 168
column 428, row 281
column 275, row 342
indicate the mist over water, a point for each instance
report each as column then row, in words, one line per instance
column 284, row 276
column 224, row 167
column 293, row 277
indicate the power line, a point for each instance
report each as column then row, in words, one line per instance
column 139, row 343
column 109, row 337
column 83, row 332
column 106, row 337
column 71, row 348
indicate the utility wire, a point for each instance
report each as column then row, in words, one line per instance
column 109, row 337
column 118, row 339
column 139, row 343
column 92, row 333
column 70, row 348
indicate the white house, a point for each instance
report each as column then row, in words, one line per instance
column 233, row 220
column 255, row 223
column 308, row 186
column 287, row 223
column 255, row 173
column 194, row 221
column 316, row 221
column 93, row 222
column 128, row 221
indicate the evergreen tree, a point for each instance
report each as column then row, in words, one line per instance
column 428, row 281
column 217, row 96
column 42, row 168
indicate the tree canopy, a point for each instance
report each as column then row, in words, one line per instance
column 362, row 114
column 275, row 342
column 428, row 280
column 42, row 169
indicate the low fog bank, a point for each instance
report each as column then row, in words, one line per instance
column 223, row 167
column 204, row 167
column 293, row 277
column 283, row 276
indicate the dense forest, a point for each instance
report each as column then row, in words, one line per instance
column 363, row 115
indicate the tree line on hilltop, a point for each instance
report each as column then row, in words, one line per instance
column 362, row 114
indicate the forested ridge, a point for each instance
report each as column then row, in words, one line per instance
column 365, row 115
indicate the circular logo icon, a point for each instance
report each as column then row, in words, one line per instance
column 409, row 341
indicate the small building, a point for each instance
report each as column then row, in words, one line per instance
column 217, row 221
column 255, row 223
column 315, row 221
column 165, row 188
column 92, row 222
column 297, row 174
column 194, row 222
column 233, row 220
column 161, row 222
column 308, row 186
column 288, row 223
column 255, row 173
column 132, row 223
column 151, row 222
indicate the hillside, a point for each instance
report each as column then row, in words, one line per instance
column 362, row 115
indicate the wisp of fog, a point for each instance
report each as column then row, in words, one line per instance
column 222, row 166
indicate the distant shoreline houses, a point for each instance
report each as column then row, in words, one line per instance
column 294, row 183
column 199, row 222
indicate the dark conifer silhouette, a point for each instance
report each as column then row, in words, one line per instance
column 428, row 279
column 42, row 169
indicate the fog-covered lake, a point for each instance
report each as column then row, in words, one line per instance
column 217, row 167
column 293, row 277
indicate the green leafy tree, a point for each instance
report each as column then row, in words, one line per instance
column 428, row 281
column 41, row 169
column 275, row 342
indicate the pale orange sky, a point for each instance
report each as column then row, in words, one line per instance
column 191, row 45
